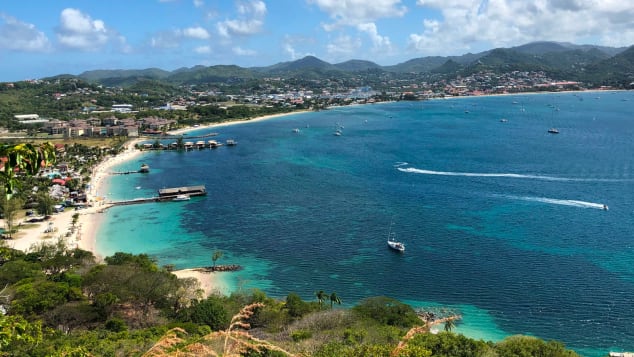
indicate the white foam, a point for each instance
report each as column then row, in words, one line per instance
column 555, row 201
column 476, row 174
column 507, row 175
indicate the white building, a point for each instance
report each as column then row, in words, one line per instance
column 122, row 108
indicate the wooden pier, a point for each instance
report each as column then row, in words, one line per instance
column 143, row 170
column 185, row 190
column 165, row 194
column 125, row 172
column 189, row 145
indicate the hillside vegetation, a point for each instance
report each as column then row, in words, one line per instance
column 61, row 302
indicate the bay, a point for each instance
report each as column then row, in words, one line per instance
column 502, row 220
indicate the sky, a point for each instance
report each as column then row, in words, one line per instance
column 41, row 38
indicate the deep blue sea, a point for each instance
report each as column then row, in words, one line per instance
column 502, row 220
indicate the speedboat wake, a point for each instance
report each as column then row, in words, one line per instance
column 555, row 201
column 507, row 175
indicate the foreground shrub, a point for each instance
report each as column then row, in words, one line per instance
column 532, row 346
column 301, row 335
column 388, row 311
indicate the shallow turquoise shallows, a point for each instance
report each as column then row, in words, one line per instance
column 501, row 220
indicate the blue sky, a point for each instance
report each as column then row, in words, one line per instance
column 40, row 38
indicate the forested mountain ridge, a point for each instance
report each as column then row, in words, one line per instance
column 576, row 62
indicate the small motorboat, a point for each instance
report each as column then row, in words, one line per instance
column 553, row 131
column 181, row 198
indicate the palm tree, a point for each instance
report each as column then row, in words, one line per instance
column 217, row 255
column 449, row 325
column 334, row 299
column 25, row 158
column 321, row 297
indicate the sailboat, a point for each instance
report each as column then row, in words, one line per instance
column 553, row 130
column 392, row 243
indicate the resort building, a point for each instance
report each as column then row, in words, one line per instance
column 122, row 108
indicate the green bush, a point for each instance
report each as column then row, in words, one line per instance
column 531, row 346
column 115, row 325
column 354, row 336
column 296, row 306
column 300, row 335
column 450, row 344
column 338, row 349
column 210, row 312
column 388, row 311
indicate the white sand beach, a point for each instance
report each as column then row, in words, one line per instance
column 83, row 234
column 210, row 282
column 232, row 122
column 59, row 226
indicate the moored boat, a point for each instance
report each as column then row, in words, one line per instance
column 392, row 243
column 396, row 245
column 181, row 198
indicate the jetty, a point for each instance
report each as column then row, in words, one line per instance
column 154, row 134
column 185, row 190
column 230, row 267
column 164, row 194
column 188, row 145
column 143, row 170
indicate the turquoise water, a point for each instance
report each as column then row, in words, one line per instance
column 502, row 221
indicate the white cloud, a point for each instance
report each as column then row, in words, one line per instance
column 202, row 49
column 290, row 49
column 175, row 38
column 467, row 25
column 167, row 39
column 343, row 47
column 381, row 43
column 362, row 16
column 20, row 36
column 256, row 8
column 199, row 3
column 290, row 46
column 243, row 52
column 79, row 31
column 196, row 32
column 354, row 12
column 249, row 22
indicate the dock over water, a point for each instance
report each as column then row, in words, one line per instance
column 185, row 190
column 164, row 194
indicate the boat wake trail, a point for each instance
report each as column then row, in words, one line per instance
column 400, row 163
column 475, row 174
column 507, row 175
column 554, row 201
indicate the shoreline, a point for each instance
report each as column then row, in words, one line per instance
column 83, row 234
column 231, row 123
column 530, row 93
